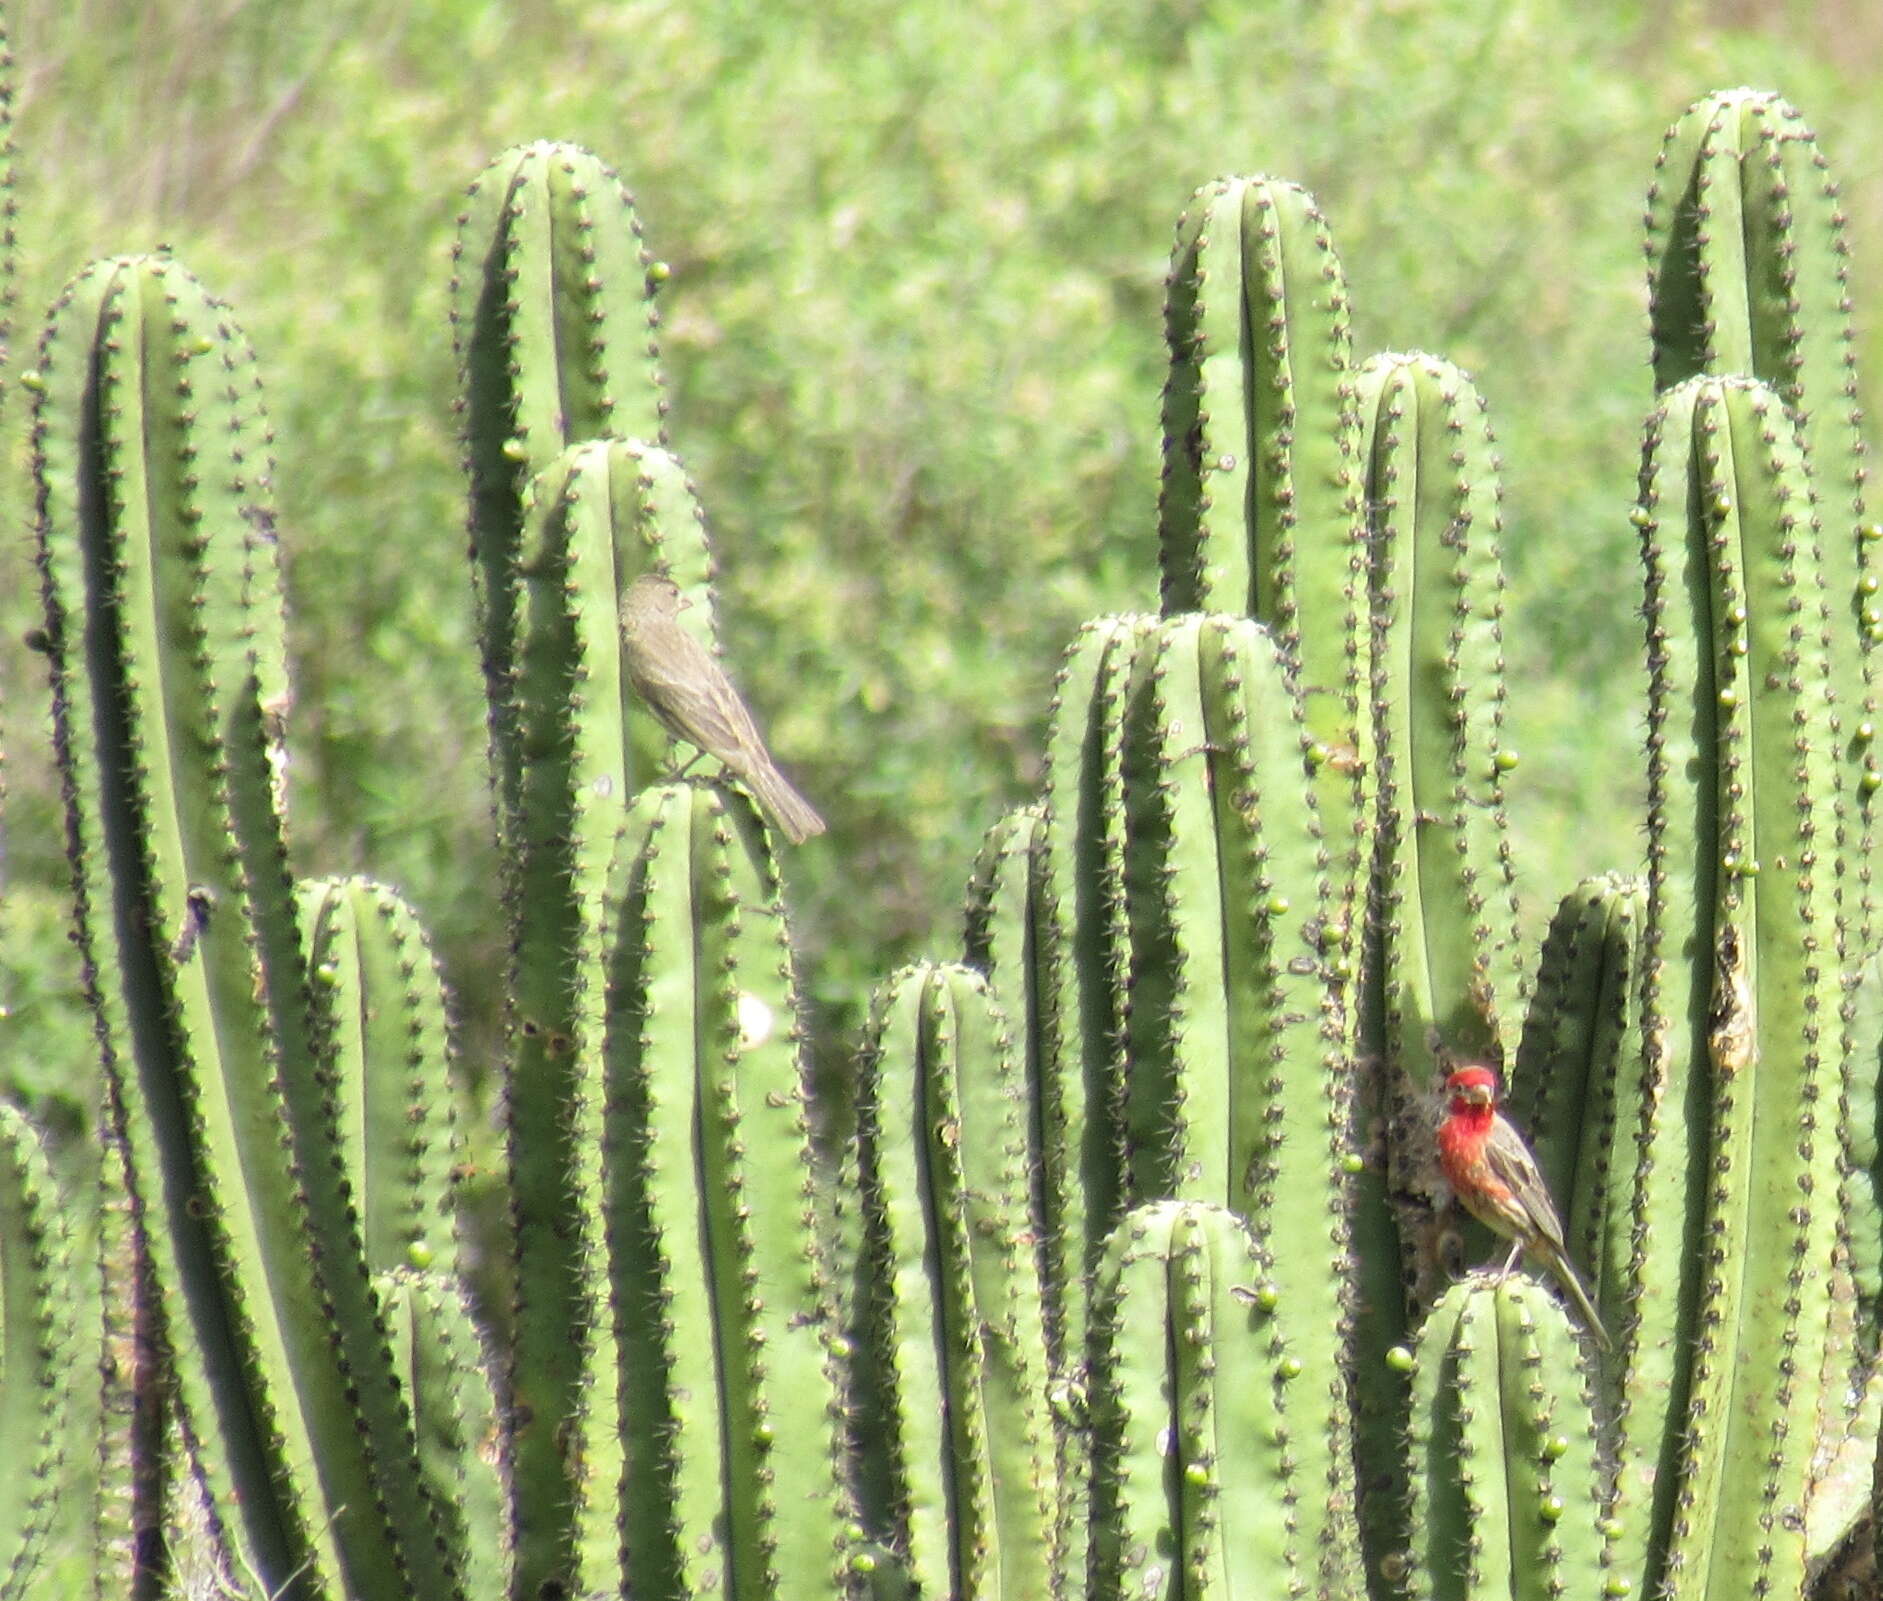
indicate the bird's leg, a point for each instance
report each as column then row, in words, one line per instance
column 677, row 770
column 1510, row 1261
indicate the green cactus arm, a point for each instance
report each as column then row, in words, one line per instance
column 1210, row 457
column 1740, row 696
column 1449, row 951
column 1260, row 510
column 132, row 1471
column 1238, row 1426
column 1507, row 1487
column 1005, row 936
column 1197, row 1486
column 1238, row 1093
column 38, row 1347
column 444, row 1371
column 789, row 1516
column 720, row 1296
column 1577, row 1089
column 1179, row 1097
column 997, row 1337
column 1087, row 929
column 552, row 310
column 673, row 1534
column 1010, row 936
column 1677, row 978
column 962, row 1477
column 572, row 739
column 1135, row 1510
column 1862, row 1207
column 162, row 595
column 1749, row 273
column 383, row 1031
column 904, row 1484
column 1290, row 1091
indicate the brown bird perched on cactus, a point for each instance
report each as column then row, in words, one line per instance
column 1490, row 1169
column 680, row 683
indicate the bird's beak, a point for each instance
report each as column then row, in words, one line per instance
column 1477, row 1094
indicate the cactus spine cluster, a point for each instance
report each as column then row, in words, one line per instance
column 1137, row 1278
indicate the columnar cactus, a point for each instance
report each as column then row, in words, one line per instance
column 1579, row 1089
column 38, row 1344
column 1228, row 993
column 553, row 316
column 1199, row 1488
column 164, row 630
column 1131, row 1288
column 383, row 1035
column 1749, row 274
column 1260, row 510
column 724, row 1475
column 952, row 1414
column 1087, row 951
column 1444, row 977
column 1507, row 1496
column 572, row 741
column 1742, row 1001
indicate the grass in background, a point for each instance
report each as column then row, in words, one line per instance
column 914, row 337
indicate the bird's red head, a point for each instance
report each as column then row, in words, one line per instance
column 1472, row 1088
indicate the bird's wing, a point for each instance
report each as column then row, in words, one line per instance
column 1510, row 1159
column 691, row 694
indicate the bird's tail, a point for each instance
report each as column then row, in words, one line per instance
column 790, row 811
column 1566, row 1276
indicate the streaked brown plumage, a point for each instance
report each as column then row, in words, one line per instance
column 680, row 683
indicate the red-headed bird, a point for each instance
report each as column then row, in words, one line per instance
column 1490, row 1169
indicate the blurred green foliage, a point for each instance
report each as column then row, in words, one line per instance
column 914, row 336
